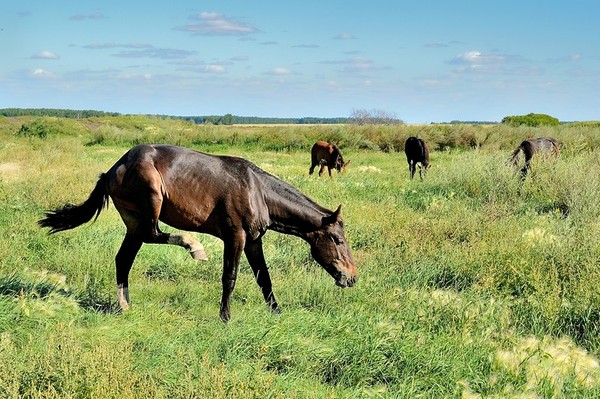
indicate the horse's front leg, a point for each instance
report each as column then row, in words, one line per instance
column 256, row 258
column 233, row 248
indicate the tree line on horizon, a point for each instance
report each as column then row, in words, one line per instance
column 227, row 119
column 357, row 117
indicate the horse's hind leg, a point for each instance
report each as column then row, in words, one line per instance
column 124, row 260
column 313, row 164
column 188, row 242
column 321, row 169
column 149, row 230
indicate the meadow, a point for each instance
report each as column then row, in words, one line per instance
column 472, row 284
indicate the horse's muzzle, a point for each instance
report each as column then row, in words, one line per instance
column 344, row 281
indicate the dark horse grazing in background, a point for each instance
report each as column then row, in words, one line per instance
column 227, row 197
column 326, row 154
column 530, row 147
column 417, row 151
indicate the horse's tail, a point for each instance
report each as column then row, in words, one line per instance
column 555, row 148
column 424, row 152
column 514, row 158
column 70, row 216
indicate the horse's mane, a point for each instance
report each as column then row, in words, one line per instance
column 286, row 191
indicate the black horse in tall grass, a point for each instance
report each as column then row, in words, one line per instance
column 417, row 151
column 227, row 197
column 541, row 145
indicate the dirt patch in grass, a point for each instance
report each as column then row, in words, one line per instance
column 10, row 170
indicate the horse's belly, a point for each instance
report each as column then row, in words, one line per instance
column 185, row 216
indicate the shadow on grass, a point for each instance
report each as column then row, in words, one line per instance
column 450, row 279
column 89, row 299
column 92, row 301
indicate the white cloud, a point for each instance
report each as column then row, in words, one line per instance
column 42, row 74
column 357, row 65
column 214, row 68
column 567, row 58
column 132, row 76
column 240, row 58
column 306, row 46
column 152, row 52
column 281, row 71
column 104, row 46
column 436, row 45
column 345, row 36
column 478, row 58
column 212, row 23
column 478, row 62
column 575, row 57
column 81, row 17
column 45, row 55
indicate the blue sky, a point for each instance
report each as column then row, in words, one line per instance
column 422, row 61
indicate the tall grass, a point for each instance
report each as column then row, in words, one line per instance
column 471, row 283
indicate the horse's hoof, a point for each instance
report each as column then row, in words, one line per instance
column 276, row 311
column 199, row 255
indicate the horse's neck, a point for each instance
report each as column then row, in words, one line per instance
column 291, row 212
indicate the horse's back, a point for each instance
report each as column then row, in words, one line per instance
column 547, row 145
column 542, row 145
column 188, row 185
column 416, row 149
column 320, row 150
column 166, row 162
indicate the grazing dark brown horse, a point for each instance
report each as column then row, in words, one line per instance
column 326, row 154
column 530, row 147
column 417, row 151
column 227, row 197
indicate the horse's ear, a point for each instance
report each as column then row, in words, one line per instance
column 345, row 166
column 333, row 218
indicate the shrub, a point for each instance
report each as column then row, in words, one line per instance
column 35, row 129
column 531, row 120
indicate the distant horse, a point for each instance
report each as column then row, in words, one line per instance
column 417, row 151
column 227, row 197
column 530, row 147
column 326, row 154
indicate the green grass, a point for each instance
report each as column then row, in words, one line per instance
column 471, row 283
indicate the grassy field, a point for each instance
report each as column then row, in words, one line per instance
column 471, row 283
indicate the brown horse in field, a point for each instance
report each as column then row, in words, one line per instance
column 530, row 147
column 227, row 197
column 417, row 151
column 326, row 154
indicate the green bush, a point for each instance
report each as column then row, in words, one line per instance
column 531, row 120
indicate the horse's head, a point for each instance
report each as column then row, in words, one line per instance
column 340, row 165
column 330, row 249
column 344, row 166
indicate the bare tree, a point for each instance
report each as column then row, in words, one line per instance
column 373, row 117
